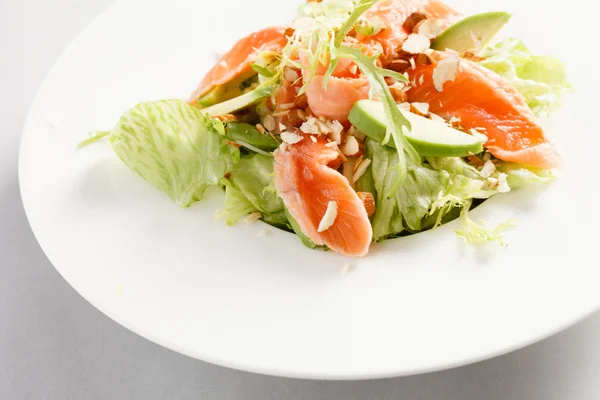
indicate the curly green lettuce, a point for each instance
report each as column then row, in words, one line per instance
column 541, row 79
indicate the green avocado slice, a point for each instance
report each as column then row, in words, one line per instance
column 240, row 102
column 471, row 33
column 429, row 138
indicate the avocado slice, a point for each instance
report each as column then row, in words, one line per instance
column 246, row 133
column 229, row 90
column 471, row 33
column 240, row 102
column 429, row 138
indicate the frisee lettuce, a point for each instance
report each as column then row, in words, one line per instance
column 541, row 79
column 175, row 147
column 478, row 233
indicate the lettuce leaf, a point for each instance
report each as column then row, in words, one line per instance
column 518, row 176
column 474, row 233
column 541, row 79
column 246, row 191
column 409, row 204
column 173, row 146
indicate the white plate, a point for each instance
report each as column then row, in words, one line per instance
column 267, row 304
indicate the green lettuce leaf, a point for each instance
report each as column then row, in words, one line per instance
column 541, row 79
column 173, row 146
column 248, row 136
column 518, row 176
column 478, row 233
column 410, row 204
column 247, row 191
column 466, row 181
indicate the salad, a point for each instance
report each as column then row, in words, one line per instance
column 361, row 121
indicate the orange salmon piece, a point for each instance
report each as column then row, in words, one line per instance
column 393, row 13
column 236, row 61
column 307, row 185
column 484, row 99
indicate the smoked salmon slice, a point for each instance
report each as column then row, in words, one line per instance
column 488, row 103
column 236, row 61
column 337, row 100
column 308, row 186
column 393, row 13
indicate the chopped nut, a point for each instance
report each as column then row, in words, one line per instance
column 472, row 56
column 430, row 28
column 400, row 65
column 295, row 118
column 415, row 44
column 289, row 32
column 351, row 147
column 227, row 118
column 269, row 122
column 301, row 101
column 232, row 144
column 361, row 169
column 329, row 217
column 335, row 136
column 455, row 122
column 421, row 109
column 255, row 216
column 368, row 201
column 412, row 21
column 445, row 70
column 260, row 128
column 343, row 157
column 398, row 94
column 422, row 59
column 291, row 138
column 286, row 106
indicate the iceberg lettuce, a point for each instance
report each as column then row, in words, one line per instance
column 173, row 146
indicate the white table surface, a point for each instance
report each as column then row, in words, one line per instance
column 54, row 345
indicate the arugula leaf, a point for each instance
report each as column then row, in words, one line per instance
column 396, row 122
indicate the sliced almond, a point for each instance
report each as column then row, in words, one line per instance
column 291, row 138
column 255, row 216
column 472, row 56
column 329, row 217
column 368, row 201
column 269, row 122
column 488, row 169
column 445, row 71
column 260, row 128
column 335, row 137
column 361, row 169
column 399, row 95
column 351, row 147
column 421, row 109
column 430, row 28
column 415, row 44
